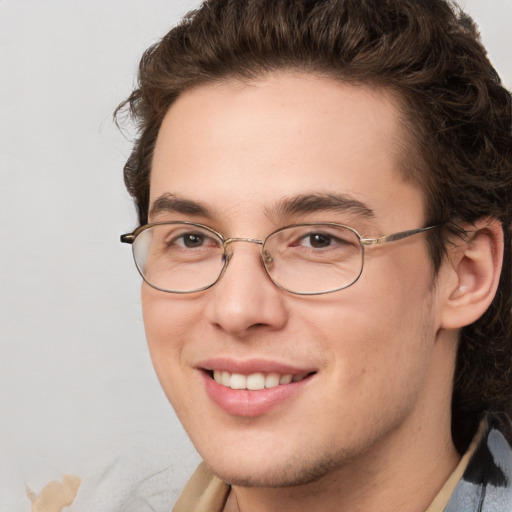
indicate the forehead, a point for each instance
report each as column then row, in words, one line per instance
column 239, row 145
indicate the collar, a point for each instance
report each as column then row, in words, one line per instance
column 486, row 485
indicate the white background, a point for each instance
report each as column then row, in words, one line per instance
column 77, row 391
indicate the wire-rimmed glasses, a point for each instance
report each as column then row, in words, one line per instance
column 304, row 259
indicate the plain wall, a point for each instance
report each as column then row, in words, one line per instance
column 78, row 394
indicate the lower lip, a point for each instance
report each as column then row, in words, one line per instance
column 242, row 402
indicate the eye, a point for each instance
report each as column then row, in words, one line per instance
column 321, row 239
column 190, row 240
column 324, row 240
column 318, row 240
column 183, row 238
column 193, row 240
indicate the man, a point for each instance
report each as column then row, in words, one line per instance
column 324, row 196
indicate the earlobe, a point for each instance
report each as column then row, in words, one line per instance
column 472, row 273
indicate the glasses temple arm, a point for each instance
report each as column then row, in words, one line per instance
column 396, row 236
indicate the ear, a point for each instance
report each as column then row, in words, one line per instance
column 471, row 273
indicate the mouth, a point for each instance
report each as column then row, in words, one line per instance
column 255, row 381
column 253, row 387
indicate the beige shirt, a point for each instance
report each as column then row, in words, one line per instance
column 204, row 492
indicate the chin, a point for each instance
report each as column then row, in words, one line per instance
column 297, row 470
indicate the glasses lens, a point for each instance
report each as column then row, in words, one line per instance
column 179, row 257
column 312, row 259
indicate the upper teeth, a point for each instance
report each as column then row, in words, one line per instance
column 255, row 381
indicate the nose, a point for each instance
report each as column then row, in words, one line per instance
column 245, row 299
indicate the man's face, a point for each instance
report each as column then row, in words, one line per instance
column 368, row 369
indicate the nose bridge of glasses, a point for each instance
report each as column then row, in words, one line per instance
column 229, row 252
column 229, row 241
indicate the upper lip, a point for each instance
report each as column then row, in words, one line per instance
column 250, row 366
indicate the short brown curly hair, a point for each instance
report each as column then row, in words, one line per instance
column 458, row 115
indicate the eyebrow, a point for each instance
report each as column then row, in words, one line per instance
column 311, row 203
column 302, row 204
column 172, row 203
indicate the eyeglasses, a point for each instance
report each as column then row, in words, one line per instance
column 304, row 259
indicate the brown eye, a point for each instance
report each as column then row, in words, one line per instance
column 318, row 240
column 192, row 240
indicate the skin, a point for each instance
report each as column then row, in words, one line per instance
column 371, row 428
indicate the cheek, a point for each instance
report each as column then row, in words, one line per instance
column 167, row 317
column 375, row 366
column 378, row 333
column 168, row 321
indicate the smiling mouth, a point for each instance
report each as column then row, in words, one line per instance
column 255, row 381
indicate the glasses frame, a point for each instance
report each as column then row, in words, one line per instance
column 129, row 238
